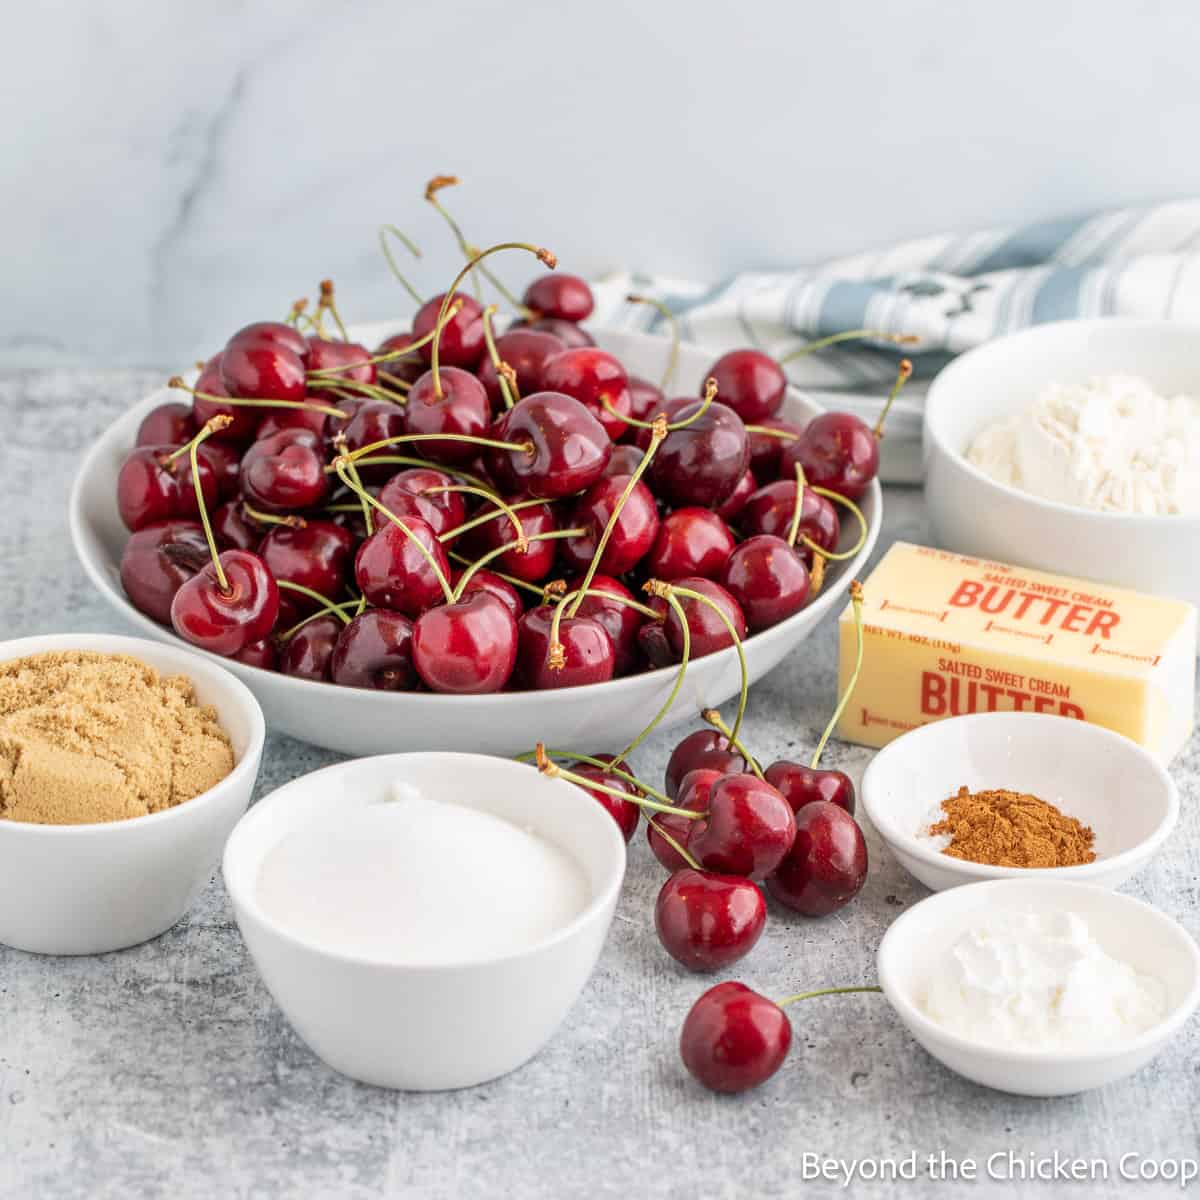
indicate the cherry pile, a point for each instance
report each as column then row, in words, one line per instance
column 461, row 510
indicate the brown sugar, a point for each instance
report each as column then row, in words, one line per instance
column 89, row 737
column 1012, row 829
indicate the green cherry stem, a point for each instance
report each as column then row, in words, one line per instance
column 903, row 375
column 325, row 303
column 522, row 546
column 464, row 561
column 408, row 461
column 674, row 844
column 834, row 991
column 784, row 434
column 673, row 322
column 797, row 507
column 608, row 767
column 842, row 555
column 329, row 608
column 483, row 518
column 357, row 488
column 710, row 394
column 856, row 600
column 562, row 598
column 404, row 438
column 264, row 518
column 386, row 231
column 502, row 506
column 714, row 719
column 243, row 402
column 211, row 426
column 554, row 770
column 501, row 367
column 851, row 335
column 288, row 586
column 543, row 255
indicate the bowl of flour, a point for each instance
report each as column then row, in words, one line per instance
column 1073, row 447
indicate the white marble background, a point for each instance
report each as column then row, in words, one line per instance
column 171, row 169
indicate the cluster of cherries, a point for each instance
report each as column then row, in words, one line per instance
column 721, row 826
column 465, row 512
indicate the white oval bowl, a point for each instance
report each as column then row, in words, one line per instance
column 973, row 514
column 360, row 721
column 1100, row 777
column 89, row 889
column 1128, row 929
column 432, row 1027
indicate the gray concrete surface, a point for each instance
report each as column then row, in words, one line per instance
column 167, row 1070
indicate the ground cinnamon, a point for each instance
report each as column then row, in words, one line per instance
column 101, row 737
column 1012, row 829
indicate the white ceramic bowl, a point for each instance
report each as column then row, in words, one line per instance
column 972, row 514
column 359, row 721
column 89, row 889
column 1102, row 778
column 1128, row 929
column 426, row 1028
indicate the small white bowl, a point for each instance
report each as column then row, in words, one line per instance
column 362, row 721
column 1097, row 776
column 1128, row 929
column 973, row 514
column 89, row 889
column 433, row 1027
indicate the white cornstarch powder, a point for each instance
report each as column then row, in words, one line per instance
column 1112, row 444
column 421, row 881
column 1039, row 981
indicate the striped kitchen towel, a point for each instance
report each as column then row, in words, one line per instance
column 951, row 291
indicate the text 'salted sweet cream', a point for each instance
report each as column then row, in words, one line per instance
column 946, row 634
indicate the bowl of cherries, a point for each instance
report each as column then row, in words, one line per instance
column 459, row 536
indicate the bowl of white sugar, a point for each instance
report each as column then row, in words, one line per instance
column 425, row 921
column 1040, row 987
column 1073, row 447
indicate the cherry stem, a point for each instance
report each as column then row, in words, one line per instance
column 483, row 518
column 852, row 335
column 841, row 555
column 464, row 561
column 242, row 402
column 468, row 438
column 296, row 313
column 543, row 255
column 329, row 608
column 903, row 375
column 521, row 546
column 714, row 719
column 656, row 587
column 834, row 991
column 502, row 506
column 798, row 509
column 390, row 230
column 673, row 322
column 432, row 188
column 325, row 303
column 856, row 600
column 555, row 771
column 710, row 394
column 666, row 837
column 368, row 522
column 408, row 461
column 264, row 518
column 497, row 362
column 288, row 586
column 210, row 427
column 785, row 434
column 608, row 767
column 357, row 389
column 659, row 432
column 669, row 703
column 340, row 464
column 374, row 360
column 556, row 593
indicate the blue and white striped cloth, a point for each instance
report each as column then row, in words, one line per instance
column 951, row 291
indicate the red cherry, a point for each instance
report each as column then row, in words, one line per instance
column 771, row 510
column 285, row 471
column 632, row 536
column 766, row 450
column 169, row 424
column 733, row 1039
column 704, row 748
column 261, row 370
column 653, row 645
column 487, row 581
column 233, row 529
column 625, row 459
column 569, row 447
column 375, row 651
column 352, row 359
column 593, row 377
column 150, row 488
column 407, row 369
column 316, row 556
column 570, row 334
column 646, row 398
column 393, row 573
column 838, row 451
column 708, row 921
column 564, row 297
column 375, row 421
column 538, row 559
column 461, row 343
column 461, row 408
column 708, row 631
column 587, row 650
column 467, row 647
column 748, row 830
column 827, row 864
column 404, row 504
column 800, row 785
column 309, row 650
column 226, row 462
column 261, row 654
column 206, row 404
column 768, row 578
column 226, row 621
column 691, row 541
column 526, row 351
column 693, row 794
column 603, row 604
column 625, row 812
column 157, row 560
column 732, row 508
column 428, row 483
column 703, row 462
column 273, row 333
column 750, row 382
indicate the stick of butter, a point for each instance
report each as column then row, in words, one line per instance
column 946, row 634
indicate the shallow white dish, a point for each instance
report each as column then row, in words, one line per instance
column 89, row 889
column 1103, row 779
column 1128, row 929
column 427, row 1028
column 973, row 514
column 359, row 721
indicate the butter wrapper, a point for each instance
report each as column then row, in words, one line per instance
column 946, row 634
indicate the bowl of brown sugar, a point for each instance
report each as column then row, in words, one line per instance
column 1010, row 794
column 124, row 765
